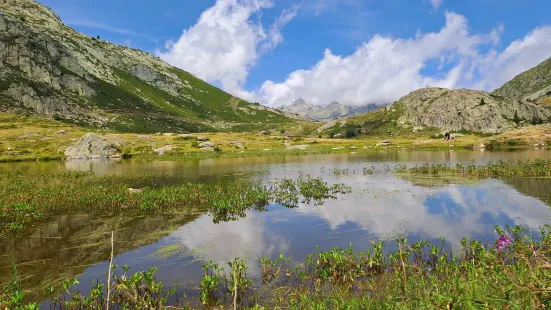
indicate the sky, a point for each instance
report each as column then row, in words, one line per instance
column 351, row 51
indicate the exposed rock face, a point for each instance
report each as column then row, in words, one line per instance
column 464, row 109
column 51, row 70
column 94, row 146
column 533, row 85
column 326, row 112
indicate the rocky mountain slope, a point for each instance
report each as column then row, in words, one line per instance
column 443, row 109
column 325, row 112
column 49, row 69
column 533, row 85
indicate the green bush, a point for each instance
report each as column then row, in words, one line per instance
column 350, row 133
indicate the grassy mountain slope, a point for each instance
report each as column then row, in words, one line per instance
column 49, row 69
column 533, row 85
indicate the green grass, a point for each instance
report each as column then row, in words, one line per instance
column 512, row 273
column 507, row 169
column 28, row 198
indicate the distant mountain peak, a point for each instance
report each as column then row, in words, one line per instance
column 325, row 112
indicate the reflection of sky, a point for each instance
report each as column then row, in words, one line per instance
column 391, row 207
column 380, row 207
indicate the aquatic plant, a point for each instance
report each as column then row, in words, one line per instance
column 415, row 276
column 500, row 168
column 30, row 197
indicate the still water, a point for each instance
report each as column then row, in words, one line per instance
column 382, row 206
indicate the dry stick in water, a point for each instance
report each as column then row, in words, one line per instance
column 109, row 274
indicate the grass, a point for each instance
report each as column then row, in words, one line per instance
column 512, row 273
column 506, row 169
column 28, row 198
column 24, row 138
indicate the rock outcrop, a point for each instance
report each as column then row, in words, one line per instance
column 464, row 109
column 93, row 146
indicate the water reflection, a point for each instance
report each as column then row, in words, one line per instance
column 68, row 244
column 382, row 206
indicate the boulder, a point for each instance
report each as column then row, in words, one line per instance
column 207, row 146
column 263, row 133
column 298, row 147
column 62, row 132
column 94, row 146
column 384, row 143
column 169, row 134
column 134, row 190
column 162, row 150
column 202, row 138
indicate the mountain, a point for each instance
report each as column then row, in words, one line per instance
column 443, row 109
column 49, row 69
column 533, row 85
column 325, row 112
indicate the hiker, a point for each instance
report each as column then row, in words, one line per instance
column 452, row 136
column 446, row 136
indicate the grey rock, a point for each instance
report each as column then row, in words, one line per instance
column 162, row 150
column 298, row 147
column 202, row 138
column 94, row 146
column 464, row 109
column 207, row 144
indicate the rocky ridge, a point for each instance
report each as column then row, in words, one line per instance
column 325, row 112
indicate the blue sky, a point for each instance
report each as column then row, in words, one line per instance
column 352, row 51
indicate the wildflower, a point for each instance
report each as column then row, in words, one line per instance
column 502, row 242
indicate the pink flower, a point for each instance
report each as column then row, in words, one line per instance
column 502, row 242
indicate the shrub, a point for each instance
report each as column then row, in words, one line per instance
column 282, row 131
column 350, row 133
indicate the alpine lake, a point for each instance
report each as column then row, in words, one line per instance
column 378, row 205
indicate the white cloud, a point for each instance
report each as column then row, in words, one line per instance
column 436, row 3
column 520, row 55
column 225, row 43
column 229, row 39
column 385, row 68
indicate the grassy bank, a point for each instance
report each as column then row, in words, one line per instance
column 29, row 138
column 26, row 198
column 512, row 273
